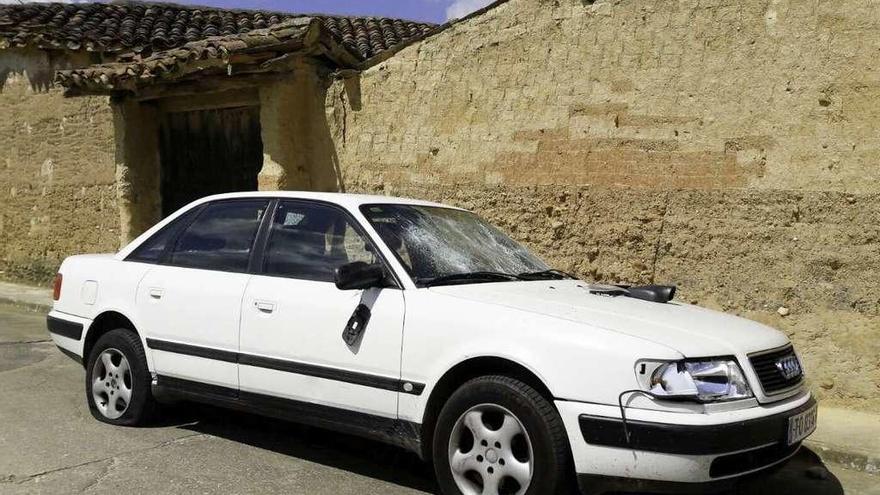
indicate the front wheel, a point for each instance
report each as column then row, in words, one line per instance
column 118, row 381
column 498, row 435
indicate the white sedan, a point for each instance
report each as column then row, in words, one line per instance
column 424, row 326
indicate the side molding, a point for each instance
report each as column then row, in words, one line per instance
column 192, row 350
column 295, row 367
column 397, row 432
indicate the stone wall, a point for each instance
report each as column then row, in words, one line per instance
column 57, row 180
column 298, row 151
column 728, row 147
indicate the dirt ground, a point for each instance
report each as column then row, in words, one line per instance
column 50, row 444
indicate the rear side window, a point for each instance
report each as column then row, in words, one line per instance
column 309, row 241
column 221, row 238
column 152, row 249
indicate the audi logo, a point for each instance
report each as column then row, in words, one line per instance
column 789, row 367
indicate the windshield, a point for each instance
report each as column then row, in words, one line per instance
column 436, row 243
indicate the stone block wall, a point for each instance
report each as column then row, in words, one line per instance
column 728, row 147
column 57, row 180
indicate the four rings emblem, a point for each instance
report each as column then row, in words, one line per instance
column 789, row 367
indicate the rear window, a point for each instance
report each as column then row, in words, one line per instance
column 221, row 238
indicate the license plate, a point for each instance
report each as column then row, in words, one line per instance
column 801, row 425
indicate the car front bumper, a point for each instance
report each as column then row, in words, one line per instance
column 676, row 452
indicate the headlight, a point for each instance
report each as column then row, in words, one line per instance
column 703, row 381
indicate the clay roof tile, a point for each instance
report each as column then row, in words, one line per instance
column 134, row 26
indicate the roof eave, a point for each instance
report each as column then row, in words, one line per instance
column 265, row 51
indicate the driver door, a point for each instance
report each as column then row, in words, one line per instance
column 293, row 317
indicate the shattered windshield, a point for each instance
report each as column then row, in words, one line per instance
column 445, row 244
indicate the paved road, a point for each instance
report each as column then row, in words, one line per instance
column 50, row 444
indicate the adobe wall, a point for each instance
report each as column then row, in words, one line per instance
column 728, row 147
column 57, row 180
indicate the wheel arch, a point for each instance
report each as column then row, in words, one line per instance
column 103, row 323
column 462, row 372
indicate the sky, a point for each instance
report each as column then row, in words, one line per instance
column 423, row 10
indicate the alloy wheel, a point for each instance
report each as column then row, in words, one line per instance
column 111, row 383
column 490, row 452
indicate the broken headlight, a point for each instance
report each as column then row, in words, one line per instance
column 702, row 381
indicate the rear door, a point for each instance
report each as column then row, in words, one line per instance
column 189, row 305
column 293, row 317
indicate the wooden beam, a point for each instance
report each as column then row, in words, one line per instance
column 206, row 84
column 248, row 97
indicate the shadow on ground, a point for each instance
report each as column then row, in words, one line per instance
column 349, row 453
column 805, row 474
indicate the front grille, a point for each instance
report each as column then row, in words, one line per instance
column 769, row 373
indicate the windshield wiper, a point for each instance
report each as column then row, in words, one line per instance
column 462, row 278
column 546, row 275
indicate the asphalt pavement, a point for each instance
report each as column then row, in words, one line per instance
column 49, row 443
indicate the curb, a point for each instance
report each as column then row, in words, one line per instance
column 28, row 298
column 848, row 438
column 853, row 459
column 33, row 307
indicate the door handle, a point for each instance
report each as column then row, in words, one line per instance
column 156, row 293
column 264, row 306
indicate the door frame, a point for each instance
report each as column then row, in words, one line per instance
column 165, row 108
column 395, row 431
column 265, row 231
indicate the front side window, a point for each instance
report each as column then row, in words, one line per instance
column 434, row 243
column 221, row 237
column 309, row 241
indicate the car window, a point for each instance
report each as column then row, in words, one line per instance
column 434, row 242
column 152, row 249
column 309, row 241
column 221, row 237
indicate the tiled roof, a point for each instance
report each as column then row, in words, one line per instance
column 256, row 51
column 151, row 27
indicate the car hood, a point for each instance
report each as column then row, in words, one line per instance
column 691, row 330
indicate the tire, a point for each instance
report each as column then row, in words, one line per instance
column 511, row 410
column 119, row 391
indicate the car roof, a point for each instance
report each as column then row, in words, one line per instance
column 349, row 201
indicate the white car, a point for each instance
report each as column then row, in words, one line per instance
column 424, row 326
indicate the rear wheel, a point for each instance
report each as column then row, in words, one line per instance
column 498, row 435
column 118, row 381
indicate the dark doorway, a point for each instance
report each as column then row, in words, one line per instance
column 208, row 152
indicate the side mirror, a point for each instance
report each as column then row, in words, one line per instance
column 359, row 275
